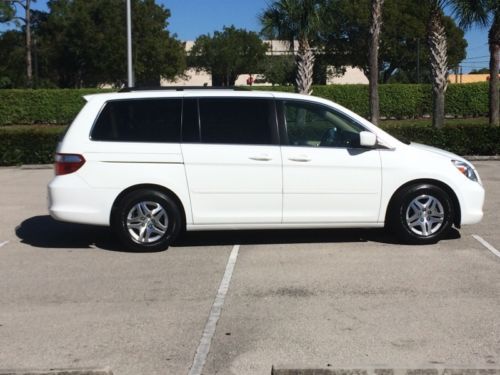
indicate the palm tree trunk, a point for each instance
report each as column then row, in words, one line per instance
column 494, row 41
column 29, row 65
column 305, row 66
column 439, row 63
column 374, row 71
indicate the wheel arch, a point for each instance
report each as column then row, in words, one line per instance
column 159, row 188
column 457, row 215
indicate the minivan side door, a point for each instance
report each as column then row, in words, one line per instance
column 327, row 176
column 233, row 160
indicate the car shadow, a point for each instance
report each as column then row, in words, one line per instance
column 45, row 232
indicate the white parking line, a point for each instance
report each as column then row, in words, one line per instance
column 209, row 330
column 3, row 243
column 486, row 245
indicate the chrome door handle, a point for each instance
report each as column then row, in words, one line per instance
column 262, row 157
column 300, row 158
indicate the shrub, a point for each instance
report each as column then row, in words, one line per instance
column 60, row 106
column 406, row 100
column 37, row 144
column 28, row 144
column 46, row 106
column 460, row 139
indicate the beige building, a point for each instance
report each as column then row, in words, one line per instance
column 276, row 47
column 468, row 78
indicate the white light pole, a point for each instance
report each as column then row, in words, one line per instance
column 130, row 74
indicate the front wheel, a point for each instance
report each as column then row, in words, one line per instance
column 421, row 214
column 146, row 220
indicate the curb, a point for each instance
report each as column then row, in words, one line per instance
column 387, row 371
column 103, row 371
column 482, row 158
column 36, row 166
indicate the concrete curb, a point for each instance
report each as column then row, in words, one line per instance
column 387, row 371
column 37, row 166
column 103, row 371
column 482, row 158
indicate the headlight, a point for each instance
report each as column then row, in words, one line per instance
column 465, row 169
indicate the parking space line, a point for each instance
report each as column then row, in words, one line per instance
column 3, row 243
column 486, row 245
column 215, row 313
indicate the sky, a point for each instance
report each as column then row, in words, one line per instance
column 191, row 18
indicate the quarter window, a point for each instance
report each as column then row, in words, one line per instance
column 140, row 120
column 236, row 121
column 314, row 125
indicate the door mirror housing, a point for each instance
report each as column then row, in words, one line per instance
column 367, row 139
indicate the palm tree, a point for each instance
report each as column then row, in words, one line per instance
column 483, row 13
column 375, row 30
column 436, row 38
column 292, row 20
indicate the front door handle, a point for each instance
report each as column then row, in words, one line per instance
column 300, row 158
column 261, row 157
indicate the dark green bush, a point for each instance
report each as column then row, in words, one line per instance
column 406, row 100
column 28, row 144
column 460, row 139
column 60, row 106
column 37, row 144
column 47, row 106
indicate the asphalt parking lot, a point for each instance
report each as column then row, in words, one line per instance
column 71, row 298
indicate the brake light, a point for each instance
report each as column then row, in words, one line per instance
column 68, row 163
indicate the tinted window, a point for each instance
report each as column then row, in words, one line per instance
column 314, row 125
column 190, row 123
column 236, row 121
column 142, row 120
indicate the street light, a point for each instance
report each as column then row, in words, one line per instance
column 130, row 74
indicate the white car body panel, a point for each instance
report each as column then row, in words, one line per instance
column 331, row 185
column 234, row 183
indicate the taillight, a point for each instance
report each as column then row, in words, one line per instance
column 68, row 163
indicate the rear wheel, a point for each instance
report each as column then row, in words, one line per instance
column 421, row 214
column 147, row 220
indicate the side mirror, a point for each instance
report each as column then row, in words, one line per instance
column 367, row 139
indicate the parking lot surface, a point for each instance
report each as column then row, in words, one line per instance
column 70, row 297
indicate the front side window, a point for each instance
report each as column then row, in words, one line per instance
column 315, row 125
column 236, row 121
column 139, row 120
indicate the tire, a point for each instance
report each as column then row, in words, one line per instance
column 146, row 220
column 421, row 214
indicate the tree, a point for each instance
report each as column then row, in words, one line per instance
column 484, row 13
column 438, row 47
column 480, row 71
column 279, row 70
column 8, row 12
column 376, row 26
column 295, row 20
column 227, row 54
column 346, row 35
column 85, row 43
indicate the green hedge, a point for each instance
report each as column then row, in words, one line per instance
column 28, row 144
column 459, row 139
column 37, row 144
column 47, row 106
column 60, row 106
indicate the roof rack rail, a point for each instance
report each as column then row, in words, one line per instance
column 182, row 88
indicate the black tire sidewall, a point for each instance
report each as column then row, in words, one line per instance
column 398, row 221
column 119, row 220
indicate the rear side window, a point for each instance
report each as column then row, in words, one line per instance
column 140, row 120
column 236, row 121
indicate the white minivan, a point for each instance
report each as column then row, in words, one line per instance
column 151, row 163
